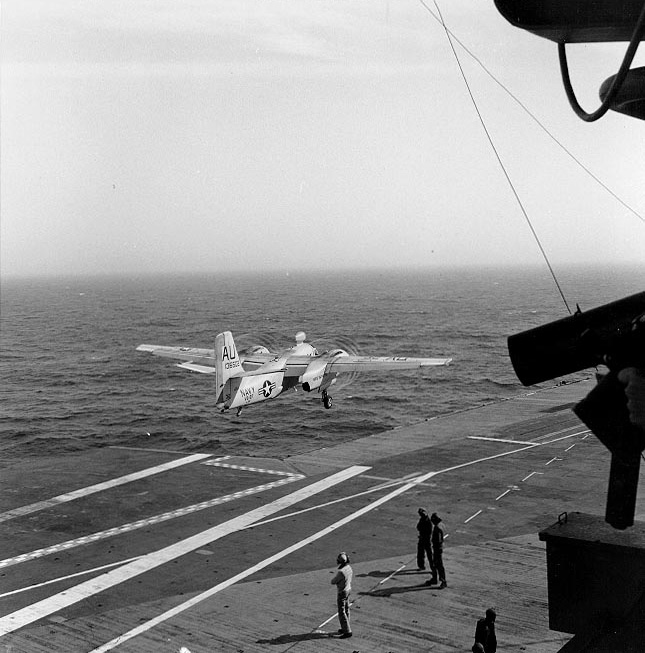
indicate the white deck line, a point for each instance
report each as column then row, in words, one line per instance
column 75, row 594
column 99, row 487
column 481, row 437
column 479, row 512
column 85, row 572
column 120, row 639
column 568, row 428
column 260, row 565
column 7, row 624
column 142, row 523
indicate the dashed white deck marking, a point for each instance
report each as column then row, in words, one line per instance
column 99, row 487
column 526, row 478
column 392, row 575
column 217, row 463
column 142, row 523
column 73, row 595
column 479, row 512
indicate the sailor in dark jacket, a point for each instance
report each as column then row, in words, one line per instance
column 424, row 544
column 437, row 551
column 485, row 632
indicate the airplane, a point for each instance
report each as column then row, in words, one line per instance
column 255, row 374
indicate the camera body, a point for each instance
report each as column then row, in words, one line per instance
column 611, row 335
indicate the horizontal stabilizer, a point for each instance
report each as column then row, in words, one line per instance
column 193, row 367
column 195, row 355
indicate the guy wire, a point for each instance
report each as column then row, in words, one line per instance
column 533, row 117
column 499, row 160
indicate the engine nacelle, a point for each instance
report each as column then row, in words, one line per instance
column 314, row 375
column 247, row 390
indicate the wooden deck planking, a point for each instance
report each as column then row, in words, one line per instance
column 496, row 559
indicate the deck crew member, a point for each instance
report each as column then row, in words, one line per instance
column 343, row 582
column 424, row 544
column 485, row 632
column 437, row 551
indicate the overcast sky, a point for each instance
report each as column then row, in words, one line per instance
column 209, row 135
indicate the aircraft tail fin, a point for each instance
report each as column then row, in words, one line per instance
column 227, row 362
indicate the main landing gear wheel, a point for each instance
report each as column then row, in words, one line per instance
column 326, row 399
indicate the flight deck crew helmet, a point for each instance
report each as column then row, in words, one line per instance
column 422, row 512
column 435, row 519
column 342, row 558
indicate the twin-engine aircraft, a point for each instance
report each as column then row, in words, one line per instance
column 256, row 374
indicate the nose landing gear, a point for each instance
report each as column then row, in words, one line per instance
column 326, row 399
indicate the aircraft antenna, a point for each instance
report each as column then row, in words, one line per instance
column 499, row 159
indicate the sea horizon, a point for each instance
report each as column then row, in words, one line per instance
column 72, row 378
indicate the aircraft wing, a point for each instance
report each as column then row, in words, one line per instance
column 203, row 360
column 297, row 365
column 381, row 363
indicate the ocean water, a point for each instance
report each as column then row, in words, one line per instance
column 70, row 378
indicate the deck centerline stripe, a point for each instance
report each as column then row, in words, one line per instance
column 52, row 604
column 99, row 487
